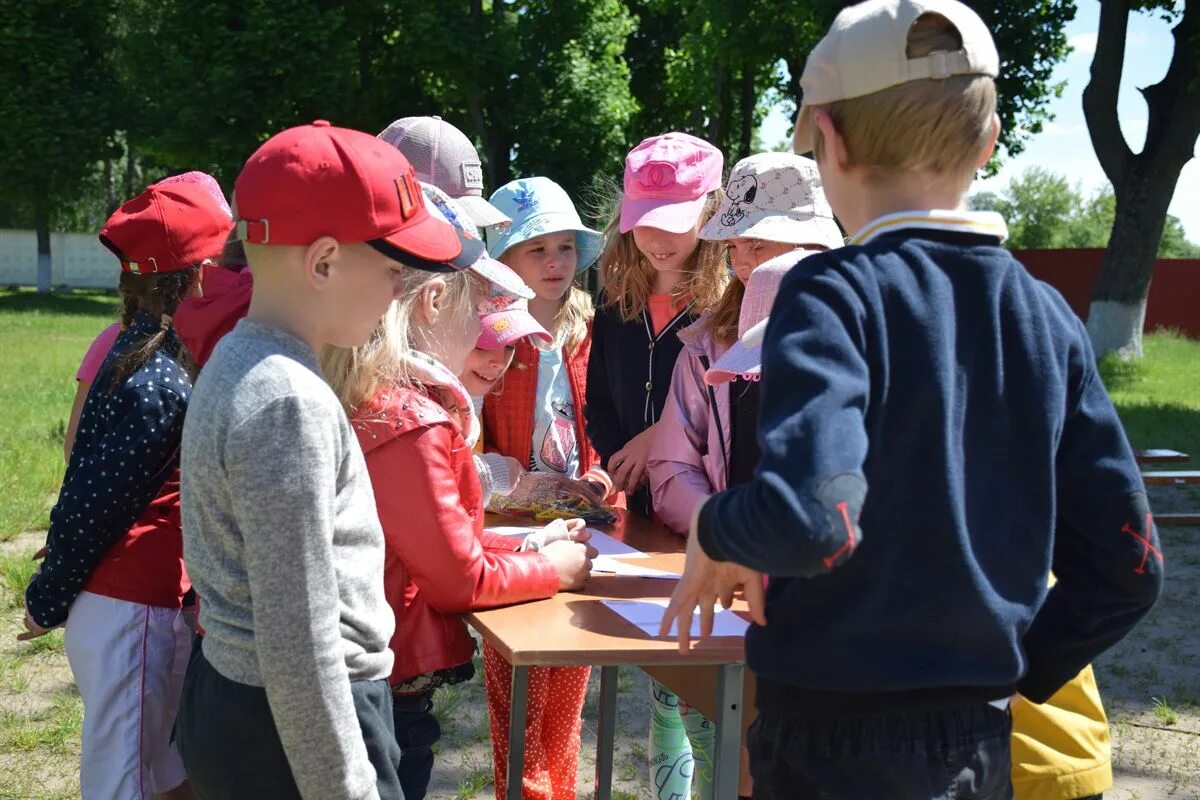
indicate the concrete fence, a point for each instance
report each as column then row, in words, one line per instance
column 77, row 260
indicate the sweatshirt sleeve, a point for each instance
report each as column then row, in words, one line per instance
column 104, row 493
column 286, row 514
column 799, row 515
column 678, row 480
column 600, row 411
column 1107, row 556
column 426, row 525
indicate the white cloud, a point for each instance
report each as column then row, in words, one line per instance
column 1084, row 44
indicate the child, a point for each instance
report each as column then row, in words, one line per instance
column 697, row 452
column 774, row 213
column 536, row 418
column 288, row 695
column 414, row 419
column 658, row 276
column 113, row 570
column 923, row 362
column 505, row 322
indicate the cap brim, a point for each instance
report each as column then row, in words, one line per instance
column 495, row 272
column 481, row 212
column 668, row 215
column 589, row 243
column 802, row 138
column 738, row 361
column 777, row 228
column 507, row 327
column 432, row 245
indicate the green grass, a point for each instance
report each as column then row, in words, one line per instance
column 1163, row 711
column 15, row 572
column 54, row 729
column 1158, row 398
column 42, row 339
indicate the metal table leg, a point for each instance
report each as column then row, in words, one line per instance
column 727, row 755
column 606, row 732
column 516, row 732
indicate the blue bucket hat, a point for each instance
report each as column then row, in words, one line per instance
column 538, row 206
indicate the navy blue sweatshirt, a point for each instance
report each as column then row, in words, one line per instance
column 629, row 377
column 930, row 415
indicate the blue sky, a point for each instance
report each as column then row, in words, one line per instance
column 1063, row 146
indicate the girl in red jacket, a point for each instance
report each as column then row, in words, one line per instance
column 416, row 426
column 536, row 417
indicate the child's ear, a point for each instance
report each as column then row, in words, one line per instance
column 317, row 259
column 432, row 300
column 833, row 144
column 986, row 154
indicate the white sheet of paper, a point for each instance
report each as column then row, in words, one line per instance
column 615, row 566
column 648, row 615
column 605, row 545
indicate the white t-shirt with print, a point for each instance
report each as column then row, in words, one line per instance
column 555, row 448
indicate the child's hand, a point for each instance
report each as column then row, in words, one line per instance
column 559, row 530
column 572, row 561
column 704, row 583
column 32, row 629
column 628, row 465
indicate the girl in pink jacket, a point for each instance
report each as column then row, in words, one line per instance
column 773, row 215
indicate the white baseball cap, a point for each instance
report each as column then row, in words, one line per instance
column 866, row 48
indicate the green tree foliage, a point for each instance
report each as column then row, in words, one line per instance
column 59, row 104
column 1044, row 211
column 556, row 87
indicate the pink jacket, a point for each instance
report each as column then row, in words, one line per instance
column 687, row 461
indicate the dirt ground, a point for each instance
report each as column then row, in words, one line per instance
column 1150, row 683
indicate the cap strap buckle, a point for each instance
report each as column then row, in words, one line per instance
column 136, row 267
column 254, row 231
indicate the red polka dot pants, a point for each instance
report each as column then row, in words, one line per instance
column 552, row 726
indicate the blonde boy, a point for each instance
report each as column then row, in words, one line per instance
column 923, row 363
column 288, row 696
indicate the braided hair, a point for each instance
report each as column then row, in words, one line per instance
column 158, row 294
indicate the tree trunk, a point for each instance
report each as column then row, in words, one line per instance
column 1143, row 183
column 41, row 222
column 716, row 111
column 747, row 104
column 1118, row 309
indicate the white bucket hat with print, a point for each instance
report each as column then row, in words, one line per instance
column 776, row 197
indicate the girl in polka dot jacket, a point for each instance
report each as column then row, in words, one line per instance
column 113, row 570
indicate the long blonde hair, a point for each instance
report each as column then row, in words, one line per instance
column 357, row 374
column 629, row 277
column 722, row 323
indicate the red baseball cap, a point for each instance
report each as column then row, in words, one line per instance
column 167, row 228
column 319, row 180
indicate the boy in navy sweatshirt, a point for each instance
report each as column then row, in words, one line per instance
column 935, row 440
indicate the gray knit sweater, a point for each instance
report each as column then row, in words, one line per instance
column 283, row 544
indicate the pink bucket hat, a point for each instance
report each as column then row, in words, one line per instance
column 667, row 179
column 504, row 319
column 744, row 358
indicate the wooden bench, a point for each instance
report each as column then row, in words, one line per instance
column 1173, row 478
column 1161, row 456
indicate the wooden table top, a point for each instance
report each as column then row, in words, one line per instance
column 577, row 629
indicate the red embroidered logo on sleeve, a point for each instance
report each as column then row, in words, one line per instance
column 848, row 547
column 1148, row 547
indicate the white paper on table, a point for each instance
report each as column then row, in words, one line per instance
column 648, row 615
column 605, row 545
column 615, row 566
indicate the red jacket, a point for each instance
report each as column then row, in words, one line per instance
column 438, row 561
column 508, row 411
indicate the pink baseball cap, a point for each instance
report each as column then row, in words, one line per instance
column 504, row 319
column 667, row 179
